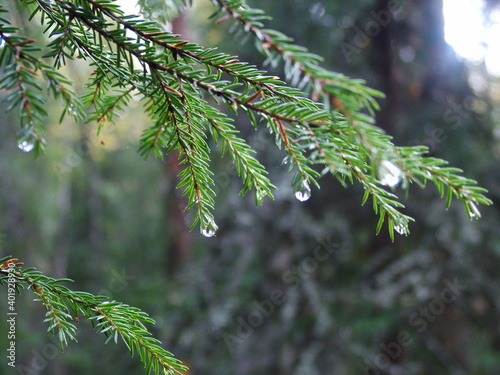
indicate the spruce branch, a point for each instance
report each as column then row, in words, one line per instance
column 350, row 98
column 23, row 70
column 110, row 318
column 327, row 120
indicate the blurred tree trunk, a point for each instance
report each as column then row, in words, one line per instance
column 415, row 70
column 179, row 237
column 384, row 67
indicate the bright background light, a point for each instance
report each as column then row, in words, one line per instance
column 129, row 6
column 466, row 32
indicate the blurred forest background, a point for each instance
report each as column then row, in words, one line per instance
column 286, row 288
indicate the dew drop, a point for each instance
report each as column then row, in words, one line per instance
column 400, row 229
column 209, row 230
column 389, row 174
column 71, row 110
column 25, row 141
column 259, row 196
column 26, row 146
column 304, row 192
column 473, row 211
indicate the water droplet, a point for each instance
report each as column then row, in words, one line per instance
column 400, row 229
column 26, row 141
column 473, row 211
column 210, row 229
column 71, row 110
column 26, row 146
column 259, row 196
column 208, row 232
column 304, row 192
column 389, row 174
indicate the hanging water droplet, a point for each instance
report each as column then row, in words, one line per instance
column 71, row 110
column 210, row 229
column 26, row 146
column 259, row 196
column 304, row 192
column 473, row 211
column 389, row 174
column 26, row 141
column 400, row 229
column 208, row 232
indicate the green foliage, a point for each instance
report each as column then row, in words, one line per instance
column 181, row 85
column 20, row 80
column 111, row 318
column 322, row 120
